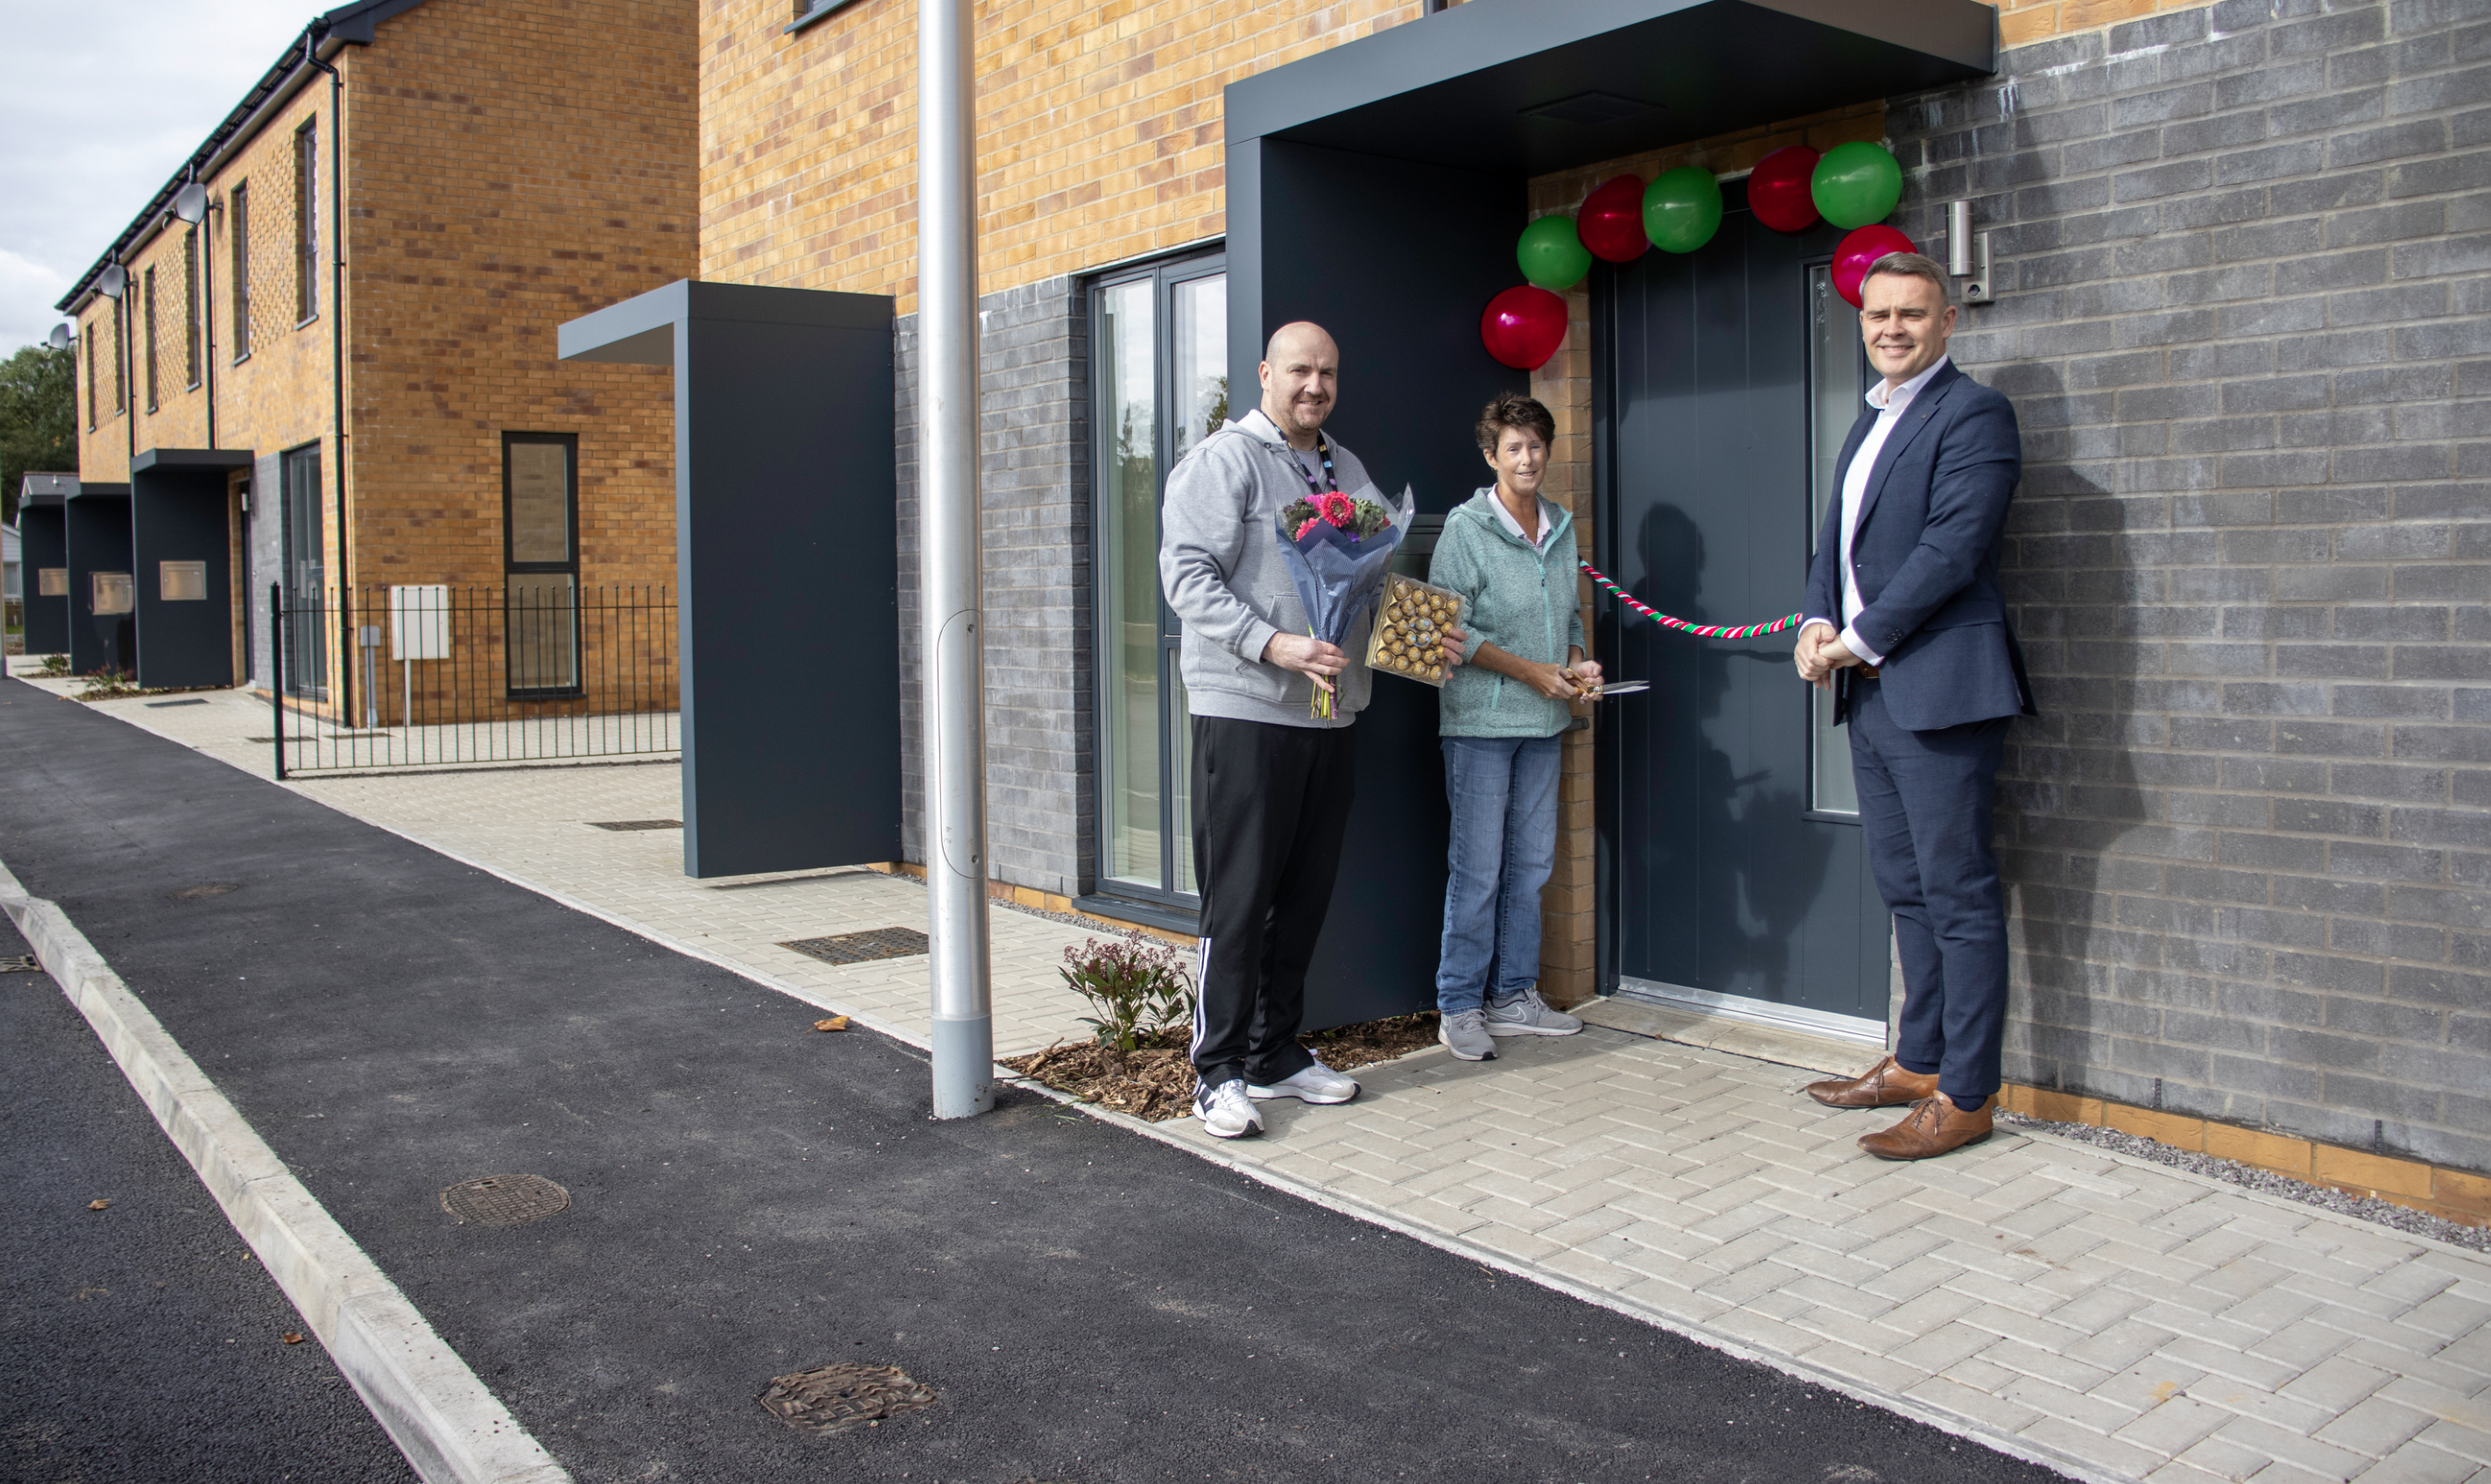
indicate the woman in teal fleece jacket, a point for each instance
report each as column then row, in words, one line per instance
column 1510, row 555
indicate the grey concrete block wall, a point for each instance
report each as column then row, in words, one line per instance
column 1034, row 520
column 2244, row 265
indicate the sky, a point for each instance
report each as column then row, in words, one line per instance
column 100, row 104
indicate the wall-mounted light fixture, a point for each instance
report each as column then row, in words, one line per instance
column 1967, row 254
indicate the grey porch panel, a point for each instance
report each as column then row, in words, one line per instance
column 1525, row 90
column 44, row 542
column 178, row 513
column 786, row 565
column 99, row 541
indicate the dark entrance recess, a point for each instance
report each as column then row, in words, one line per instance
column 182, row 566
column 786, row 564
column 44, row 546
column 1378, row 187
column 99, row 544
column 1729, row 879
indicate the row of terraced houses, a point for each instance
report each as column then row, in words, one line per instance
column 2238, row 268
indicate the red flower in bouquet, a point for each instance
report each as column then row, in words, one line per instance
column 1338, row 508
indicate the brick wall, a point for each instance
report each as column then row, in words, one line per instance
column 510, row 167
column 1033, row 504
column 1098, row 132
column 2241, row 295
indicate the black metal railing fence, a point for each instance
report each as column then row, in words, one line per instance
column 420, row 675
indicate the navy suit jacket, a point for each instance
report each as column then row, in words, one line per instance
column 1932, row 525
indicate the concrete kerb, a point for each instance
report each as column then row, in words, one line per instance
column 452, row 1428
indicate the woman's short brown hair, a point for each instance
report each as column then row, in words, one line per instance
column 1514, row 410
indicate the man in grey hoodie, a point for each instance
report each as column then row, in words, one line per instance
column 1271, row 781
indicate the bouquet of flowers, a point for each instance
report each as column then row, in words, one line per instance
column 1337, row 547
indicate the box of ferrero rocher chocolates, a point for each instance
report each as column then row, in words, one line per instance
column 1410, row 623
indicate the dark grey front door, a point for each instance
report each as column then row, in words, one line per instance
column 1737, row 876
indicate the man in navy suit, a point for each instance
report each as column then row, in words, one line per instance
column 1909, row 632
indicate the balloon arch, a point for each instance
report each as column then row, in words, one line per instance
column 1853, row 186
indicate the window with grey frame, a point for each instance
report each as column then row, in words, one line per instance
column 148, row 291
column 307, row 222
column 238, row 217
column 541, row 563
column 1159, row 346
column 191, row 308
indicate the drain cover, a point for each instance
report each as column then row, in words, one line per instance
column 861, row 947
column 635, row 823
column 204, row 888
column 23, row 963
column 834, row 1398
column 505, row 1200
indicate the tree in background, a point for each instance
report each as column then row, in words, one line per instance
column 38, row 418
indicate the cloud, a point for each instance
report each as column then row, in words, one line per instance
column 98, row 105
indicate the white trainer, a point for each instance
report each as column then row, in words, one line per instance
column 1317, row 1083
column 1527, row 1014
column 1227, row 1112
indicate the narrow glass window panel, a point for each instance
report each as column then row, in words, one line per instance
column 238, row 244
column 191, row 308
column 306, row 576
column 307, row 222
column 1198, row 309
column 1129, row 406
column 539, row 502
column 152, row 397
column 120, row 371
column 1835, row 386
column 544, row 620
column 87, row 333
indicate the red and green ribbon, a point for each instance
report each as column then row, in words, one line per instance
column 1699, row 630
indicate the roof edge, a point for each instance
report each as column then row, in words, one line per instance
column 355, row 25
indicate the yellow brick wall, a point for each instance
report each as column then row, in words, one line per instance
column 1098, row 131
column 512, row 166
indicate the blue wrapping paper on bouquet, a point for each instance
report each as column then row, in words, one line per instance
column 1338, row 573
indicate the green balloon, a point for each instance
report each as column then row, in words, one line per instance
column 1681, row 208
column 1855, row 183
column 1551, row 256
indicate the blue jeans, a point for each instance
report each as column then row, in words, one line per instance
column 1503, row 794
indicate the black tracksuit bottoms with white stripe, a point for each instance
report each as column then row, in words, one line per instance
column 1271, row 804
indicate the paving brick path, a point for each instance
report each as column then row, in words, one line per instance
column 2112, row 1317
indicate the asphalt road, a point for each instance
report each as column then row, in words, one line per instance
column 140, row 1342
column 751, row 1198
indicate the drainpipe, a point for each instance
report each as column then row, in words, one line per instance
column 338, row 362
column 947, row 330
column 208, row 308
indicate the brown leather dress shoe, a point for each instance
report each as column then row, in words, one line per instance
column 1934, row 1126
column 1883, row 1086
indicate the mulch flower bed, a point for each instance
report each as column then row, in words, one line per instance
column 1155, row 1081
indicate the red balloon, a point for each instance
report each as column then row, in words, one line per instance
column 1523, row 327
column 1852, row 255
column 1781, row 192
column 1610, row 220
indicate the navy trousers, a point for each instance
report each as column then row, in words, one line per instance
column 1927, row 801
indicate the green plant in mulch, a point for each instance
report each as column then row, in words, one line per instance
column 56, row 664
column 1138, row 985
column 106, row 685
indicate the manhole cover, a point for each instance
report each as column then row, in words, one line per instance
column 23, row 963
column 157, row 706
column 635, row 823
column 861, row 947
column 204, row 888
column 834, row 1398
column 505, row 1200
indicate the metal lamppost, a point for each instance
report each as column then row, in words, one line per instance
column 954, row 772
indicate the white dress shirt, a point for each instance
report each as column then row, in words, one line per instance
column 1890, row 404
column 1539, row 543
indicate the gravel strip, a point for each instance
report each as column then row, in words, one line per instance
column 2385, row 1214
